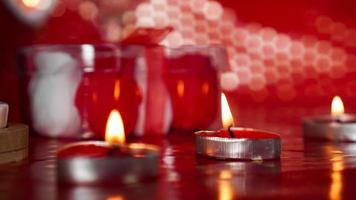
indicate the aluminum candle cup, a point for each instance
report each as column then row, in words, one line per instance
column 102, row 163
column 247, row 144
column 327, row 127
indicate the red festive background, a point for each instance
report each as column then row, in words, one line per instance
column 298, row 52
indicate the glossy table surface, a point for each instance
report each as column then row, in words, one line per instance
column 307, row 169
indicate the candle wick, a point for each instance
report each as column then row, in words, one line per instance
column 338, row 120
column 112, row 150
column 230, row 132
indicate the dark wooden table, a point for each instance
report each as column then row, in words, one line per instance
column 307, row 169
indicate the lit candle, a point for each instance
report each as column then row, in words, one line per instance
column 337, row 126
column 110, row 161
column 236, row 142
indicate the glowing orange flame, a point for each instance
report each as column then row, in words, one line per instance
column 337, row 107
column 226, row 116
column 115, row 133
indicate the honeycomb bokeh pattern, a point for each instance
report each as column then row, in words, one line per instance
column 260, row 57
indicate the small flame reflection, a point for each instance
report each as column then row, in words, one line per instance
column 180, row 88
column 225, row 185
column 117, row 90
column 336, row 178
column 205, row 88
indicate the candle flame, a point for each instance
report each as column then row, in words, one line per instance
column 115, row 133
column 337, row 107
column 226, row 116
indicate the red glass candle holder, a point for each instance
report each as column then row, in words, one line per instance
column 193, row 80
column 69, row 90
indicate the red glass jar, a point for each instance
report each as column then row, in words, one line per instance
column 69, row 90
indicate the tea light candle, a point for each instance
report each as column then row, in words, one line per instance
column 335, row 127
column 112, row 161
column 13, row 138
column 237, row 143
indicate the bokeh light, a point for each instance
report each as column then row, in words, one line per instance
column 38, row 4
column 88, row 10
column 31, row 3
column 259, row 56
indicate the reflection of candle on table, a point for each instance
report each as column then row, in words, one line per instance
column 236, row 142
column 337, row 127
column 97, row 162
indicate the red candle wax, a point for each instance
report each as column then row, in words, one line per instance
column 97, row 150
column 241, row 133
column 86, row 150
